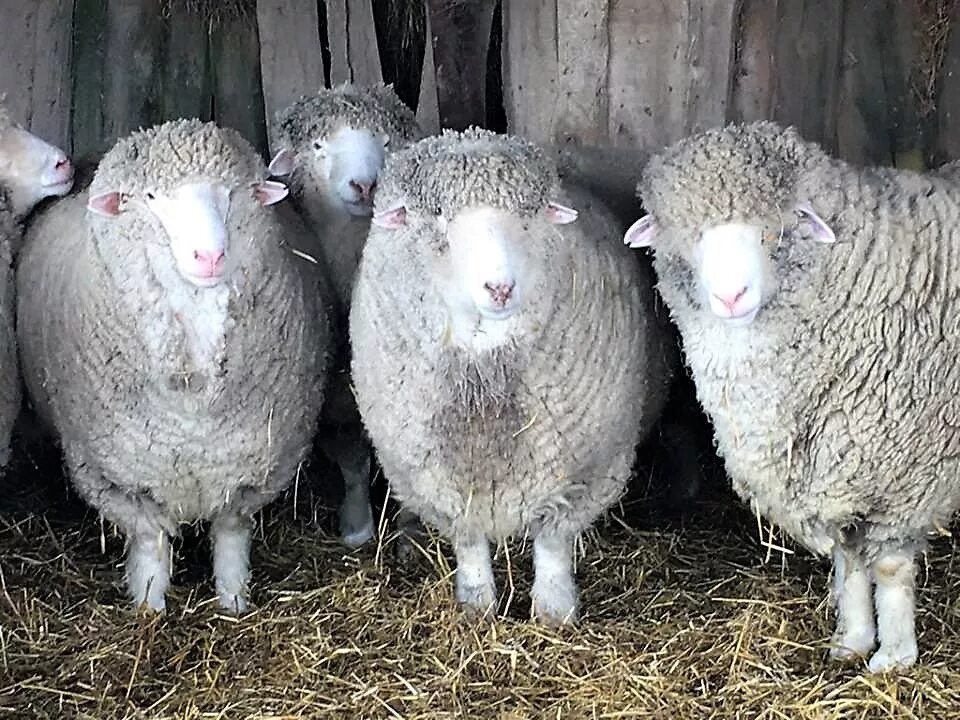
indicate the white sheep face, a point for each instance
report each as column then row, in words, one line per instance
column 731, row 265
column 32, row 169
column 193, row 216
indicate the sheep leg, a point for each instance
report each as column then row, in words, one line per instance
column 856, row 632
column 410, row 532
column 476, row 588
column 230, row 533
column 148, row 566
column 554, row 594
column 352, row 455
column 894, row 575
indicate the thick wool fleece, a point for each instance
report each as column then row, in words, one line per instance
column 837, row 410
column 156, row 426
column 540, row 433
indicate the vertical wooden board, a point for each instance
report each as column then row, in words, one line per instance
column 755, row 56
column 530, row 67
column 35, row 66
column 809, row 37
column 461, row 40
column 238, row 88
column 86, row 122
column 428, row 109
column 291, row 63
column 352, row 34
column 947, row 145
column 582, row 56
column 876, row 116
column 132, row 60
column 186, row 80
column 670, row 69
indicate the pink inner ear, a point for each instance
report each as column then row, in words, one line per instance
column 106, row 204
column 282, row 163
column 269, row 192
column 821, row 231
column 391, row 219
column 560, row 214
column 641, row 233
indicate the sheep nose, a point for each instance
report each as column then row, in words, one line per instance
column 500, row 292
column 364, row 190
column 209, row 261
column 64, row 166
column 730, row 301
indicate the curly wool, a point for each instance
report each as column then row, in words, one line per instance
column 836, row 410
column 154, row 431
column 539, row 434
column 443, row 174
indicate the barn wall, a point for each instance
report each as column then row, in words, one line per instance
column 875, row 80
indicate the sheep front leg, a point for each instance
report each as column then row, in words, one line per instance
column 148, row 566
column 476, row 588
column 230, row 534
column 554, row 594
column 856, row 632
column 352, row 455
column 894, row 575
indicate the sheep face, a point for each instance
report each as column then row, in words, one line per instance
column 737, row 266
column 31, row 169
column 193, row 218
column 342, row 168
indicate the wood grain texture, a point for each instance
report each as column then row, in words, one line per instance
column 238, row 101
column 583, row 55
column 530, row 67
column 428, row 104
column 352, row 34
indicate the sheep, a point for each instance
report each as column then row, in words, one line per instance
column 818, row 308
column 506, row 361
column 332, row 145
column 30, row 171
column 177, row 344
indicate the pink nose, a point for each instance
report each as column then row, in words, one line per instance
column 364, row 190
column 500, row 292
column 209, row 262
column 64, row 167
column 730, row 301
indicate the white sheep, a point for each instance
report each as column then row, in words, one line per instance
column 331, row 146
column 506, row 355
column 30, row 171
column 176, row 344
column 818, row 305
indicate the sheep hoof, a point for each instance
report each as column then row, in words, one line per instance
column 151, row 605
column 478, row 601
column 233, row 603
column 851, row 647
column 556, row 605
column 888, row 659
column 356, row 538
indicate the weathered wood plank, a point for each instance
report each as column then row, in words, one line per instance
column 237, row 85
column 530, row 65
column 352, row 34
column 88, row 41
column 35, row 63
column 947, row 119
column 461, row 39
column 428, row 107
column 670, row 68
column 753, row 77
column 583, row 54
column 876, row 114
column 186, row 80
column 291, row 63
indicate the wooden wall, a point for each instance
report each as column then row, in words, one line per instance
column 875, row 80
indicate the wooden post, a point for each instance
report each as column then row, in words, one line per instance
column 237, row 85
column 529, row 57
column 35, row 65
column 186, row 80
column 352, row 34
column 291, row 63
column 428, row 108
column 461, row 39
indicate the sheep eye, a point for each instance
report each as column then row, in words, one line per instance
column 151, row 196
column 317, row 145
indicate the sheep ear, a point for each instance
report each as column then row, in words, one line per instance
column 269, row 192
column 282, row 163
column 558, row 214
column 641, row 233
column 106, row 204
column 821, row 231
column 391, row 218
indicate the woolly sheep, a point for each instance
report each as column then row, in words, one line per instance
column 30, row 170
column 176, row 344
column 818, row 305
column 506, row 359
column 332, row 145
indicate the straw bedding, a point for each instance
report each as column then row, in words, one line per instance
column 681, row 620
